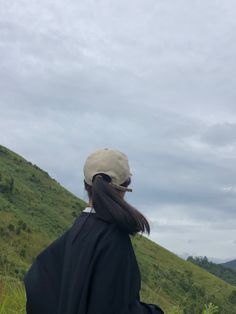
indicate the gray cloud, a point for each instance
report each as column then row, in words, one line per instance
column 152, row 79
column 221, row 134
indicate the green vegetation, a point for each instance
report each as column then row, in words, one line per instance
column 12, row 296
column 230, row 264
column 35, row 210
column 227, row 274
column 211, row 309
column 172, row 282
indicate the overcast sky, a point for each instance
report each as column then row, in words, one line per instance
column 153, row 79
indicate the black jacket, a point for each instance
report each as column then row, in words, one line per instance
column 90, row 269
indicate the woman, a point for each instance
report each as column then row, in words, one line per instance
column 92, row 268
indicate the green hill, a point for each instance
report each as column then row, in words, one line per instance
column 230, row 264
column 227, row 274
column 35, row 210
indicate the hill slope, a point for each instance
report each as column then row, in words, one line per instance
column 35, row 209
column 227, row 274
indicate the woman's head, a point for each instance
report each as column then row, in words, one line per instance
column 106, row 179
column 111, row 162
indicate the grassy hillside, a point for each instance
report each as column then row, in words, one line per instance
column 35, row 209
column 226, row 274
column 171, row 281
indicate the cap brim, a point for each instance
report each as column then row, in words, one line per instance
column 121, row 188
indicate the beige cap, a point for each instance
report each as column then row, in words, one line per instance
column 111, row 162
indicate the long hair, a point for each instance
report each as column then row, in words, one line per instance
column 112, row 208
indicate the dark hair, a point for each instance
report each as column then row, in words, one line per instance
column 110, row 207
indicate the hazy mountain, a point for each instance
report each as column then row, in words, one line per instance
column 230, row 264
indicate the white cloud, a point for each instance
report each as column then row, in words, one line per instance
column 153, row 79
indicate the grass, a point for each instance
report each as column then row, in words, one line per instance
column 12, row 296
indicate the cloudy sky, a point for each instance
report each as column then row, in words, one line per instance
column 153, row 79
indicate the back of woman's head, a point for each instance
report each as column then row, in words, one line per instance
column 104, row 173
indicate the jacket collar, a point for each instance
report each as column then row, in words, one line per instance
column 89, row 209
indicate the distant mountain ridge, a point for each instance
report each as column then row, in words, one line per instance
column 230, row 264
column 35, row 209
